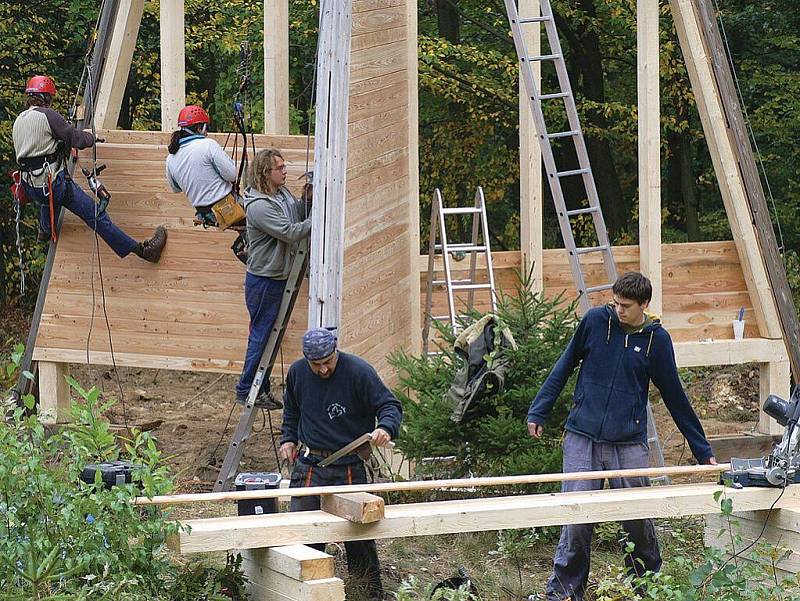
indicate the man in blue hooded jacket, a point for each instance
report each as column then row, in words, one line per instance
column 621, row 349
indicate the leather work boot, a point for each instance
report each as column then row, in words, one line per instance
column 150, row 250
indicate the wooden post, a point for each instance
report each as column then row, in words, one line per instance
column 413, row 176
column 54, row 401
column 276, row 67
column 774, row 378
column 726, row 166
column 173, row 63
column 118, row 64
column 649, row 147
column 530, row 161
column 330, row 166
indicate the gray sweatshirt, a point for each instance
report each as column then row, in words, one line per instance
column 275, row 225
column 202, row 170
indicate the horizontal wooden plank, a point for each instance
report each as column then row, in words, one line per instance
column 729, row 352
column 476, row 515
column 159, row 138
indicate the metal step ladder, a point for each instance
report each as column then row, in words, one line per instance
column 448, row 252
column 245, row 426
column 554, row 176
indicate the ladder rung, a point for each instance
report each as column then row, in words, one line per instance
column 452, row 282
column 551, row 96
column 543, row 57
column 573, row 172
column 563, row 134
column 460, row 210
column 471, row 286
column 582, row 211
column 461, row 247
column 594, row 289
column 525, row 20
column 440, row 317
column 591, row 249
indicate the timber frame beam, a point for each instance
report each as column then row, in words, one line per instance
column 474, row 515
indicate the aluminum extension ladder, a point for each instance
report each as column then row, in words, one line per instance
column 245, row 426
column 554, row 176
column 448, row 252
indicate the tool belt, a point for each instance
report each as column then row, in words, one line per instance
column 32, row 164
column 227, row 212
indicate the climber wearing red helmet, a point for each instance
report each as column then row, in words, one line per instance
column 42, row 139
column 199, row 167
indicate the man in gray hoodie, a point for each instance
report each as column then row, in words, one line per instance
column 276, row 222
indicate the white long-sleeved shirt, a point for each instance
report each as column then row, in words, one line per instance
column 202, row 170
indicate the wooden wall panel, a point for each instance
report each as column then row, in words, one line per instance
column 704, row 286
column 187, row 312
column 379, row 278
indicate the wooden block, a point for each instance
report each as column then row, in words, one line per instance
column 357, row 507
column 54, row 400
column 269, row 585
column 299, row 562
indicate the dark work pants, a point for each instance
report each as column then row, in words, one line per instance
column 68, row 194
column 362, row 555
column 263, row 299
column 573, row 555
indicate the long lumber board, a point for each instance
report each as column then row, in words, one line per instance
column 473, row 515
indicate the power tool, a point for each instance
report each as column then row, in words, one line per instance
column 96, row 186
column 782, row 466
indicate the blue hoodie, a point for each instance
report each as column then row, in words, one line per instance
column 610, row 401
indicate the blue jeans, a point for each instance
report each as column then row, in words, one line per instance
column 571, row 563
column 263, row 298
column 69, row 195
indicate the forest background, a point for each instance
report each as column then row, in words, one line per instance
column 468, row 104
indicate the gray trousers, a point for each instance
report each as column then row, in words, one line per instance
column 573, row 555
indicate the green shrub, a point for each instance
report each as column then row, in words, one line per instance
column 497, row 443
column 64, row 539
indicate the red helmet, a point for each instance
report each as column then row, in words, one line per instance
column 192, row 115
column 40, row 84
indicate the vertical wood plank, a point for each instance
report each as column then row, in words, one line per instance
column 773, row 378
column 330, row 166
column 53, row 393
column 276, row 67
column 647, row 35
column 118, row 64
column 530, row 161
column 173, row 63
column 413, row 175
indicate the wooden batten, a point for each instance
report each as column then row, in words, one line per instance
column 173, row 62
column 357, row 507
column 474, row 515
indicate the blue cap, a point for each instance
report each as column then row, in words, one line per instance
column 318, row 343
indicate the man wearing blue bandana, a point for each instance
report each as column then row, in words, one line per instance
column 620, row 349
column 331, row 399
